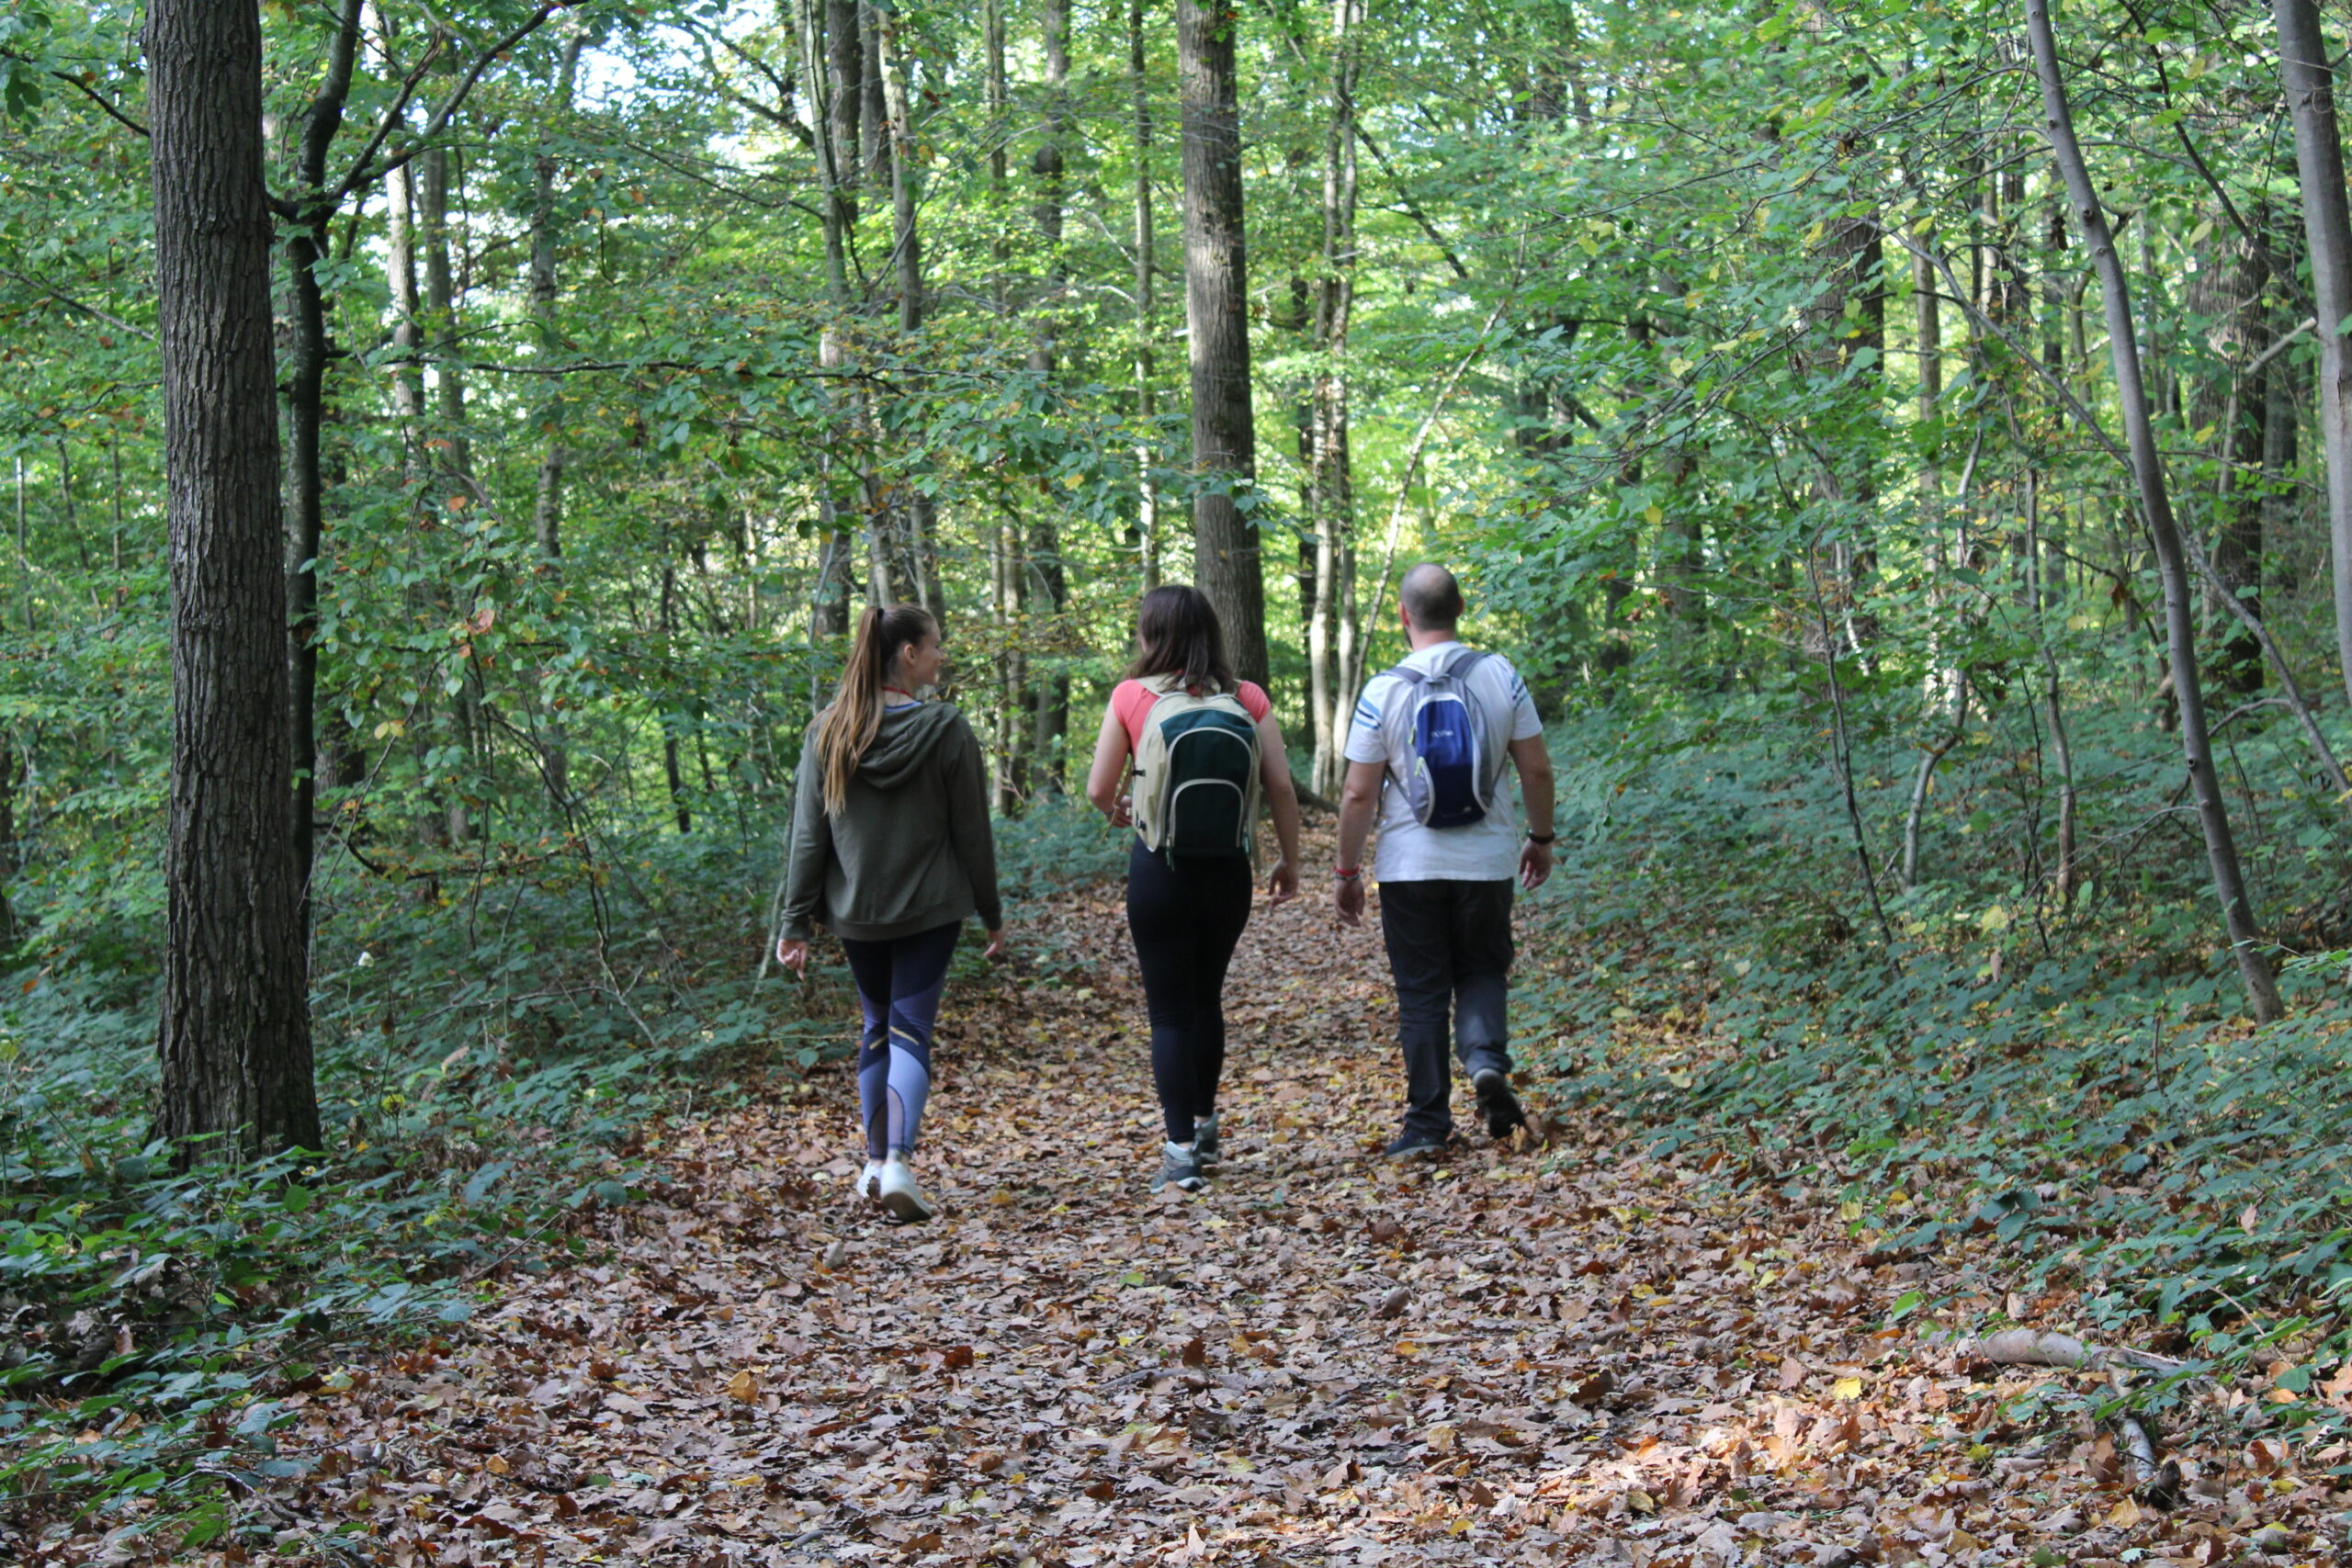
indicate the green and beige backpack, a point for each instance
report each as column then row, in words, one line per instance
column 1196, row 773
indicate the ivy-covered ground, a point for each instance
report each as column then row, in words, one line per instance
column 1598, row 1350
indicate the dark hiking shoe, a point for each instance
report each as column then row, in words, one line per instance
column 1498, row 1104
column 1205, row 1144
column 1180, row 1165
column 1411, row 1145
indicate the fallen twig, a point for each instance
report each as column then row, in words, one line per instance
column 2042, row 1348
column 2156, row 1483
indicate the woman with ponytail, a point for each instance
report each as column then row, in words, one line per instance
column 891, row 849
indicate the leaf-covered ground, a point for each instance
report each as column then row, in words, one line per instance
column 1564, row 1354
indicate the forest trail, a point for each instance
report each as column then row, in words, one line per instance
column 1570, row 1356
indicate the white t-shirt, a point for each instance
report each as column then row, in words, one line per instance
column 1487, row 851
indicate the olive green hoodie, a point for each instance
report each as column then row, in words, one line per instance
column 912, row 848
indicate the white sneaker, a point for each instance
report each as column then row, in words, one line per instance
column 898, row 1192
column 870, row 1185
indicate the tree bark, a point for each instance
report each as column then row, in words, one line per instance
column 1148, row 508
column 1050, row 696
column 434, row 185
column 831, row 60
column 306, row 249
column 1216, row 311
column 234, row 1036
column 2227, row 291
column 2147, row 467
column 2303, row 70
column 679, row 807
column 874, row 114
column 1332, row 481
column 919, row 538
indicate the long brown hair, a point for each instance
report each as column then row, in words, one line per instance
column 856, row 718
column 1177, row 634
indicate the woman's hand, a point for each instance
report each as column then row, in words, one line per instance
column 995, row 949
column 1123, row 812
column 1282, row 884
column 793, row 953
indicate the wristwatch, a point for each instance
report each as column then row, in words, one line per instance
column 1541, row 838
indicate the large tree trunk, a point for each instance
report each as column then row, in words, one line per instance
column 1216, row 311
column 2147, row 468
column 2327, row 233
column 235, row 1031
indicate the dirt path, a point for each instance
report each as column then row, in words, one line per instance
column 1564, row 1356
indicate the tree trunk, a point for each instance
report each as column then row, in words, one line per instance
column 306, row 249
column 830, row 61
column 12, row 775
column 2147, row 467
column 441, row 304
column 1943, row 674
column 2310, row 82
column 919, row 534
column 1332, row 481
column 1050, row 720
column 669, row 715
column 2226, row 291
column 1148, row 508
column 234, row 1037
column 434, row 185
column 874, row 114
column 1216, row 311
column 546, row 510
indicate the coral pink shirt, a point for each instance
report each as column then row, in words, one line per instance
column 1132, row 700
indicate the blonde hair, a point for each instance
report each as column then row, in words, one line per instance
column 856, row 718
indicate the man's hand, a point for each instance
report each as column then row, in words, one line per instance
column 1282, row 884
column 995, row 949
column 793, row 953
column 1534, row 865
column 1348, row 899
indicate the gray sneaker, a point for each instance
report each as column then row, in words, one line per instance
column 1205, row 1144
column 1180, row 1165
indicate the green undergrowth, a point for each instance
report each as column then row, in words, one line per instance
column 496, row 1056
column 2053, row 1103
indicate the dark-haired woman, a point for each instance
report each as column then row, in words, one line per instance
column 1187, row 912
column 891, row 847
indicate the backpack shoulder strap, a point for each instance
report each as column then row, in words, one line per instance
column 1405, row 672
column 1460, row 661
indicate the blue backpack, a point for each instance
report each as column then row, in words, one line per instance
column 1456, row 759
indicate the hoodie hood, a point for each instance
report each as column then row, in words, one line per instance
column 906, row 743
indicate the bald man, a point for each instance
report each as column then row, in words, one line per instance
column 1445, row 891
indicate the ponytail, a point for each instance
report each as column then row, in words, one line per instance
column 856, row 718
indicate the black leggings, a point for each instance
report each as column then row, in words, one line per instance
column 1186, row 916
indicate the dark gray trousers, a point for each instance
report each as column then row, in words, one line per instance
column 1450, row 951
